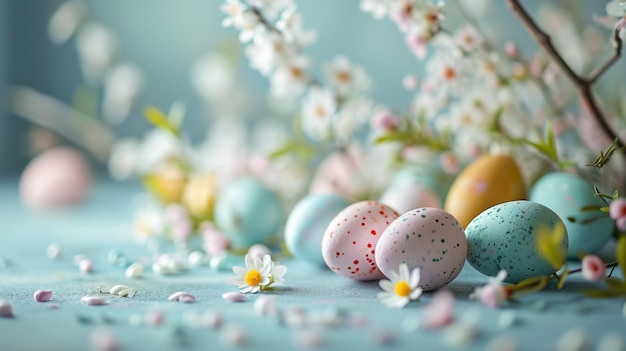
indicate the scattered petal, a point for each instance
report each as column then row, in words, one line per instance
column 103, row 340
column 42, row 295
column 154, row 318
column 135, row 270
column 93, row 300
column 574, row 339
column 115, row 290
column 6, row 310
column 459, row 334
column 196, row 258
column 265, row 306
column 234, row 296
column 212, row 319
column 182, row 297
column 308, row 338
column 440, row 312
column 85, row 266
column 53, row 251
column 233, row 335
column 294, row 317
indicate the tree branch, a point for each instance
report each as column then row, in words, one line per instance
column 583, row 85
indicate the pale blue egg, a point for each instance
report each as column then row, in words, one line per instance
column 307, row 223
column 504, row 237
column 247, row 212
column 566, row 194
column 430, row 177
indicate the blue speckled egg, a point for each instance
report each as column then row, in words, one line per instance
column 566, row 194
column 247, row 212
column 504, row 237
column 427, row 238
column 307, row 223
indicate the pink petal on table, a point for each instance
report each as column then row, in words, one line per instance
column 42, row 295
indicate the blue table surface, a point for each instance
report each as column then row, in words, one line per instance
column 104, row 222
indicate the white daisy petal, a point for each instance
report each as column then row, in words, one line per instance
column 415, row 294
column 415, row 278
column 249, row 261
column 404, row 271
column 386, row 285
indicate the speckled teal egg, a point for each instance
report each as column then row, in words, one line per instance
column 247, row 212
column 504, row 237
column 307, row 223
column 566, row 194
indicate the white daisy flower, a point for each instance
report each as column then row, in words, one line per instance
column 319, row 109
column 402, row 287
column 277, row 272
column 254, row 276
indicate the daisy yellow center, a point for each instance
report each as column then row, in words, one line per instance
column 402, row 288
column 253, row 277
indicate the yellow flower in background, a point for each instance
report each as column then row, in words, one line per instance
column 167, row 182
column 550, row 244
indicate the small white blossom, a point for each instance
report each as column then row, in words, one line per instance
column 616, row 8
column 378, row 8
column 96, row 48
column 290, row 26
column 346, row 78
column 291, row 78
column 319, row 109
column 254, row 276
column 234, row 11
column 402, row 287
column 65, row 21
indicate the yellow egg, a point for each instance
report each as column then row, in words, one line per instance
column 166, row 183
column 486, row 182
column 199, row 196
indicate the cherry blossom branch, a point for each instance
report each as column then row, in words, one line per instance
column 582, row 84
column 617, row 53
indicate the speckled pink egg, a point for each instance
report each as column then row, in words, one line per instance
column 349, row 242
column 428, row 238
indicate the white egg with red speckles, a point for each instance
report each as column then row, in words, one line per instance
column 349, row 242
column 427, row 238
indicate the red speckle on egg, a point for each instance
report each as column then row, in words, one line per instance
column 356, row 261
column 373, row 252
column 373, row 232
column 337, row 254
column 362, row 224
column 382, row 212
column 369, row 245
column 354, row 243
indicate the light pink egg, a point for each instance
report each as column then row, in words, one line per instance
column 55, row 178
column 427, row 238
column 349, row 242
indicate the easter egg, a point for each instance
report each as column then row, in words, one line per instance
column 404, row 198
column 487, row 181
column 57, row 177
column 349, row 242
column 429, row 177
column 505, row 237
column 567, row 194
column 199, row 196
column 427, row 238
column 247, row 212
column 307, row 222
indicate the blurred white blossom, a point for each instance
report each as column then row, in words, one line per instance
column 96, row 49
column 65, row 21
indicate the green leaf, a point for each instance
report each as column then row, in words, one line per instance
column 562, row 279
column 530, row 285
column 160, row 120
column 590, row 208
column 620, row 253
column 550, row 244
column 615, row 194
column 392, row 136
column 599, row 293
column 613, row 282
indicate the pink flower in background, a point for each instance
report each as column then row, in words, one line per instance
column 593, row 268
column 440, row 312
column 384, row 120
column 214, row 242
column 617, row 211
column 511, row 49
column 417, row 41
column 494, row 293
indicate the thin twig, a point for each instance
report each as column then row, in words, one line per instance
column 617, row 53
column 583, row 85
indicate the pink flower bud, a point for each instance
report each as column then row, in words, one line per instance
column 617, row 208
column 493, row 295
column 511, row 49
column 384, row 120
column 593, row 268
